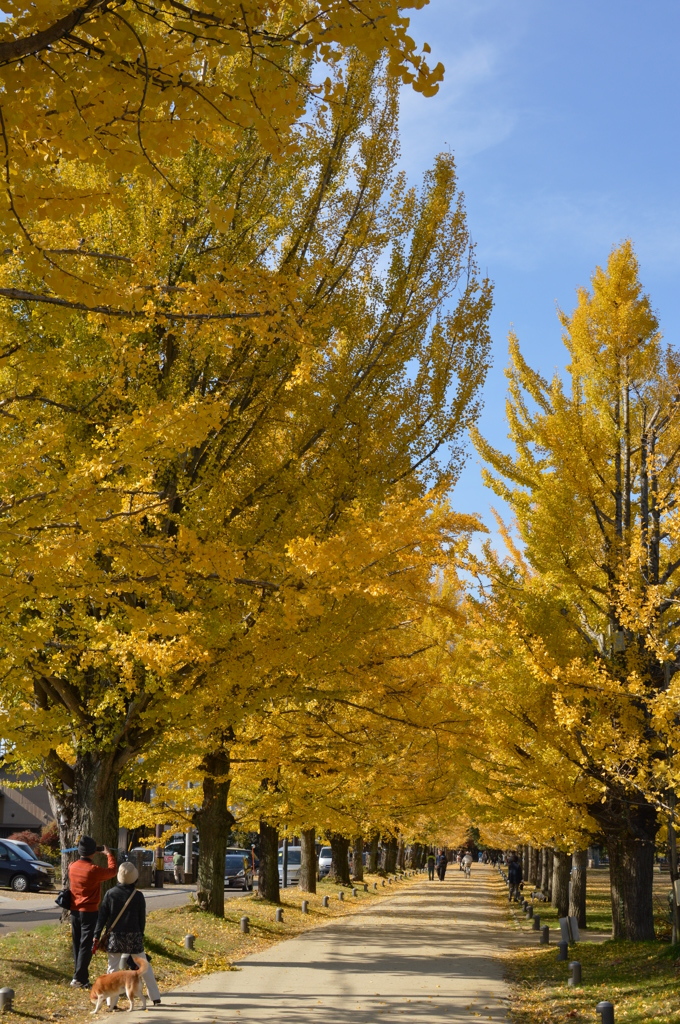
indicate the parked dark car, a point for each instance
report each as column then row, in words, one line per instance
column 148, row 855
column 20, row 871
column 238, row 871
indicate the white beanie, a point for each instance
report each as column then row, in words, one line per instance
column 127, row 873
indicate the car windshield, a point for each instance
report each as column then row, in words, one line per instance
column 325, row 852
column 233, row 863
column 25, row 848
column 293, row 857
column 14, row 852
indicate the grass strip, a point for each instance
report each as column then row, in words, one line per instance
column 641, row 979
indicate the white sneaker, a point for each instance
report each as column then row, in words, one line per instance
column 76, row 984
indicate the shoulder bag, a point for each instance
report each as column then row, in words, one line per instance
column 102, row 941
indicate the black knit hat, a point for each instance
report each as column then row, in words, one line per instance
column 86, row 846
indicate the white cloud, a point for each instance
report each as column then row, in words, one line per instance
column 521, row 231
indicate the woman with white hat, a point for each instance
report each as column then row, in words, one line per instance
column 123, row 914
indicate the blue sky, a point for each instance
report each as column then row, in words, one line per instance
column 563, row 118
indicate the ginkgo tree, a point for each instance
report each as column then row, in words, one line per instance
column 350, row 735
column 370, row 740
column 593, row 485
column 130, row 85
column 162, row 480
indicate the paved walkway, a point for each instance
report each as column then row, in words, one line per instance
column 424, row 957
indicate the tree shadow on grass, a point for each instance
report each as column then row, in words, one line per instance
column 39, row 971
column 154, row 946
column 28, row 1016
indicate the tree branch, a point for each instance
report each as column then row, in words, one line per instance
column 15, row 49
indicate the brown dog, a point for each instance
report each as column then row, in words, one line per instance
column 112, row 985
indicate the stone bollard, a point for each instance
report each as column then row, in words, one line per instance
column 189, row 941
column 389, row 881
column 545, row 935
column 606, row 1011
column 279, row 915
column 6, row 998
column 575, row 979
column 375, row 887
column 365, row 886
column 305, row 907
column 341, row 895
column 530, row 912
column 383, row 882
column 324, row 901
column 562, row 950
column 244, row 925
column 354, row 892
column 536, row 923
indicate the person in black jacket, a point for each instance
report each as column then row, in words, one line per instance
column 514, row 877
column 126, row 937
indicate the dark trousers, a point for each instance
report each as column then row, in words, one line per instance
column 441, row 871
column 83, row 924
column 430, row 870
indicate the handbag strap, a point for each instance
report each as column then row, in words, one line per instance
column 122, row 911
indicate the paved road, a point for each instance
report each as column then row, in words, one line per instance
column 27, row 913
column 424, row 957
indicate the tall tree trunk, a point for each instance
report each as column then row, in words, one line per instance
column 630, row 825
column 533, row 867
column 86, row 805
column 525, row 862
column 309, row 866
column 214, row 823
column 401, row 855
column 391, row 856
column 638, row 884
column 373, row 851
column 339, row 859
column 673, row 858
column 561, row 871
column 414, row 856
column 577, row 894
column 546, row 873
column 268, row 874
column 358, row 859
column 615, row 852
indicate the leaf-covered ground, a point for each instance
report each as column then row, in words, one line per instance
column 641, row 979
column 38, row 965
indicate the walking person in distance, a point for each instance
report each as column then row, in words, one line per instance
column 85, row 880
column 123, row 914
column 514, row 877
column 441, row 866
column 178, row 867
column 431, row 860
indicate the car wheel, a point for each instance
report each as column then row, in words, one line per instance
column 19, row 883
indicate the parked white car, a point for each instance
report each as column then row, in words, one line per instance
column 294, row 864
column 325, row 861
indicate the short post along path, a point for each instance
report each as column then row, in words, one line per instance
column 424, row 957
